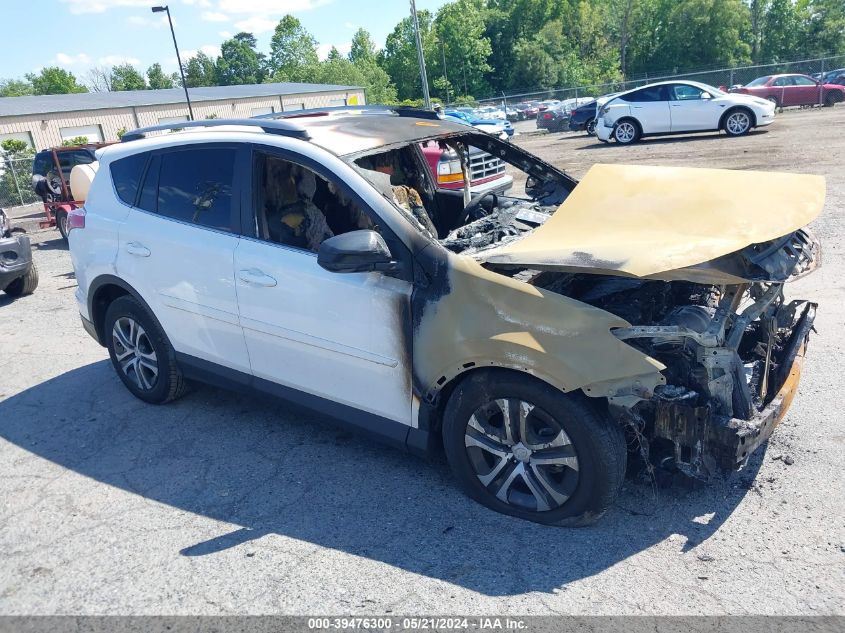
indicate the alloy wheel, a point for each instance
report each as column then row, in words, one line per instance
column 134, row 353
column 522, row 455
column 625, row 132
column 738, row 123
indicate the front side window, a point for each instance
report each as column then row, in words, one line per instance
column 803, row 81
column 684, row 92
column 194, row 186
column 297, row 207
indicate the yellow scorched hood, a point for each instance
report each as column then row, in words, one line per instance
column 674, row 222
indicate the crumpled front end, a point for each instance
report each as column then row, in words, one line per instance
column 732, row 355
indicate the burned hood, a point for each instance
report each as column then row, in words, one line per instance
column 676, row 223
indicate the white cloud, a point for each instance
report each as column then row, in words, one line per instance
column 158, row 22
column 213, row 16
column 351, row 26
column 63, row 59
column 205, row 4
column 256, row 24
column 271, row 7
column 209, row 49
column 98, row 6
column 224, row 34
column 117, row 60
column 343, row 48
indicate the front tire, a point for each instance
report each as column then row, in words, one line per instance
column 521, row 447
column 738, row 122
column 831, row 99
column 626, row 132
column 141, row 354
column 25, row 285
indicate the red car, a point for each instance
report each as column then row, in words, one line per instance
column 793, row 90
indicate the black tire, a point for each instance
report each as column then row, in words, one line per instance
column 591, row 127
column 831, row 99
column 168, row 383
column 24, row 285
column 738, row 121
column 61, row 223
column 626, row 132
column 574, row 494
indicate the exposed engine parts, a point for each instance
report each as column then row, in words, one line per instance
column 726, row 350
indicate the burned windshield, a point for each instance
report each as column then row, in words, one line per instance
column 469, row 192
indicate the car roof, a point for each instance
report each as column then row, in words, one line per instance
column 342, row 131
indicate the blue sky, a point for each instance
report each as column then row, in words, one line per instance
column 79, row 34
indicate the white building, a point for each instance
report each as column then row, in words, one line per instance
column 46, row 120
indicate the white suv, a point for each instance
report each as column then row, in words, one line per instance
column 316, row 258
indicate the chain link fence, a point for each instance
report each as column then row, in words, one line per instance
column 16, row 182
column 720, row 77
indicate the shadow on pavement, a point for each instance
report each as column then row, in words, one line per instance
column 254, row 463
column 663, row 140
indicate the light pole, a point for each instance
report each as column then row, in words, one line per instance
column 166, row 9
column 420, row 56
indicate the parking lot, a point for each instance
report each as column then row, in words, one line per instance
column 228, row 504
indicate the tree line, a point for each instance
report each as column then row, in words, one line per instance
column 486, row 47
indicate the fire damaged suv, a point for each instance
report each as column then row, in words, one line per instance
column 539, row 335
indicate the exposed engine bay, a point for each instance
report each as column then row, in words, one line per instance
column 728, row 351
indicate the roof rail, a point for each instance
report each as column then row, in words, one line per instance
column 404, row 111
column 282, row 128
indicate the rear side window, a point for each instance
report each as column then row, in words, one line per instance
column 126, row 175
column 653, row 93
column 42, row 163
column 196, row 186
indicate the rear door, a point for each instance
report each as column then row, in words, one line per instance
column 650, row 106
column 177, row 246
column 690, row 111
column 785, row 91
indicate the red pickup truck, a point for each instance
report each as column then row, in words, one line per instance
column 487, row 173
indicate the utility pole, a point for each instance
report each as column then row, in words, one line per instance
column 445, row 77
column 421, row 57
column 178, row 58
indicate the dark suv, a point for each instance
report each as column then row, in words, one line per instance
column 45, row 177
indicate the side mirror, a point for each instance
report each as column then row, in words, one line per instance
column 356, row 252
column 706, row 95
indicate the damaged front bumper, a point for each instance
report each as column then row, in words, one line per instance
column 15, row 258
column 706, row 443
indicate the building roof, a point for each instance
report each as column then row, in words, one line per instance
column 44, row 104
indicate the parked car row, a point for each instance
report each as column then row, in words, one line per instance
column 796, row 90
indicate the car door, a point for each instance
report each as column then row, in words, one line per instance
column 177, row 246
column 807, row 91
column 786, row 91
column 650, row 106
column 692, row 108
column 330, row 338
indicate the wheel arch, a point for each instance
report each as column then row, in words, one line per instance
column 102, row 292
column 734, row 108
column 632, row 119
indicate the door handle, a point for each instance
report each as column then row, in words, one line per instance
column 255, row 277
column 134, row 248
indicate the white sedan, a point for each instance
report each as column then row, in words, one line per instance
column 674, row 107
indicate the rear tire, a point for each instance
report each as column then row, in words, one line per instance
column 61, row 223
column 25, row 285
column 626, row 132
column 591, row 127
column 565, row 469
column 141, row 354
